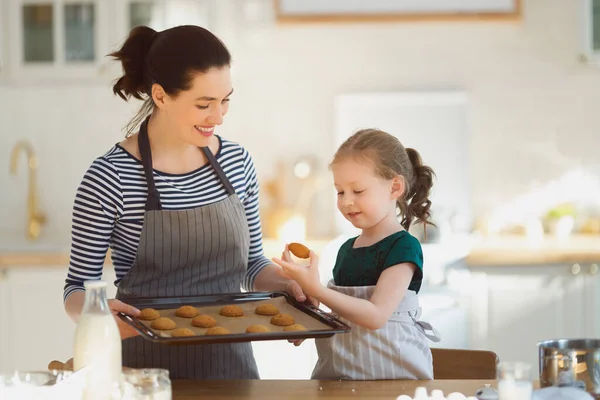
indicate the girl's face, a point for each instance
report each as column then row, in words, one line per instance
column 363, row 197
column 196, row 112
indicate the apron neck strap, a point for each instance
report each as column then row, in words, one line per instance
column 153, row 200
column 220, row 173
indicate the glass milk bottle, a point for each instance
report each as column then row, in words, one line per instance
column 98, row 344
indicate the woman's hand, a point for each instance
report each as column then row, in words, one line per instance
column 295, row 290
column 125, row 329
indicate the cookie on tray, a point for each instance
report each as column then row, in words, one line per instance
column 232, row 311
column 217, row 330
column 148, row 314
column 257, row 329
column 282, row 320
column 187, row 312
column 204, row 321
column 294, row 328
column 163, row 324
column 182, row 332
column 267, row 309
column 56, row 365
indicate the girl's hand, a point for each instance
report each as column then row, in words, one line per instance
column 307, row 276
column 125, row 329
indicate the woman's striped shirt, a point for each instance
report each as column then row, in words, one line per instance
column 109, row 209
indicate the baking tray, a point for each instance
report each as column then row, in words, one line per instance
column 318, row 323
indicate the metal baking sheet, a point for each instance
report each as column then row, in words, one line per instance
column 318, row 323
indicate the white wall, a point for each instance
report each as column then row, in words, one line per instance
column 532, row 115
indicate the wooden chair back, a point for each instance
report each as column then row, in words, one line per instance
column 464, row 364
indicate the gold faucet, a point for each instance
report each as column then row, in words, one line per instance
column 35, row 219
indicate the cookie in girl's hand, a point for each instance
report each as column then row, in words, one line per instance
column 299, row 250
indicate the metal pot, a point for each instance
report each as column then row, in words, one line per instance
column 571, row 362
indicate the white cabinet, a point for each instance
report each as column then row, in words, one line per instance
column 5, row 352
column 515, row 307
column 3, row 5
column 55, row 41
column 591, row 30
column 34, row 327
column 592, row 300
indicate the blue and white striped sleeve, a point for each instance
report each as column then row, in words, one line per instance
column 98, row 204
column 256, row 259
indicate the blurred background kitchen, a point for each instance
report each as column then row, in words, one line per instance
column 499, row 96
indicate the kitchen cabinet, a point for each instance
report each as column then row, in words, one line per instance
column 57, row 41
column 34, row 327
column 2, row 41
column 4, row 344
column 591, row 30
column 515, row 307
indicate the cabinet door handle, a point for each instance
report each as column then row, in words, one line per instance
column 593, row 269
column 575, row 269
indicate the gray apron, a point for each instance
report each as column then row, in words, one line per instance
column 398, row 350
column 194, row 252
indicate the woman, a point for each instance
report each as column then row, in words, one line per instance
column 177, row 204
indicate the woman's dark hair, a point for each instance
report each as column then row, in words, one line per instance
column 169, row 58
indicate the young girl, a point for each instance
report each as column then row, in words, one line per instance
column 378, row 274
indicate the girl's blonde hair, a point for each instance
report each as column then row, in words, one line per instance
column 391, row 159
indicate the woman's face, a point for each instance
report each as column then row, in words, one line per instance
column 196, row 112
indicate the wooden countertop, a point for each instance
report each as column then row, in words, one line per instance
column 314, row 389
column 518, row 250
column 487, row 251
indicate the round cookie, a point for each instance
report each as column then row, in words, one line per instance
column 299, row 250
column 181, row 332
column 267, row 309
column 257, row 329
column 204, row 321
column 187, row 312
column 294, row 328
column 232, row 311
column 56, row 365
column 148, row 314
column 217, row 330
column 163, row 324
column 69, row 364
column 282, row 320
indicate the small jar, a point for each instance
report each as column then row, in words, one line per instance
column 146, row 384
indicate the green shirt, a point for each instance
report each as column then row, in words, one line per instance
column 363, row 266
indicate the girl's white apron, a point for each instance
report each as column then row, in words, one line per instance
column 398, row 350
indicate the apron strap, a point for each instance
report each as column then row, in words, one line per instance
column 425, row 327
column 153, row 200
column 220, row 173
column 413, row 317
